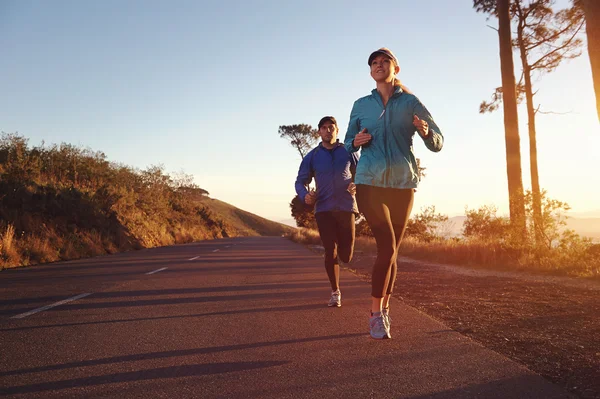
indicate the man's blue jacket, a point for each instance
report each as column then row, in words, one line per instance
column 333, row 171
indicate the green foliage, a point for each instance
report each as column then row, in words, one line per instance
column 483, row 223
column 553, row 218
column 485, row 6
column 65, row 202
column 424, row 225
column 545, row 38
column 561, row 249
column 304, row 215
column 302, row 137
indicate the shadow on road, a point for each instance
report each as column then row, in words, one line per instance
column 171, row 354
column 225, row 313
column 143, row 375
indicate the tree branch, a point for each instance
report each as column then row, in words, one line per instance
column 538, row 63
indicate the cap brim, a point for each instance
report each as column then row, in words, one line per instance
column 375, row 53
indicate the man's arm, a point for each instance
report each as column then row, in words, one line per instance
column 304, row 177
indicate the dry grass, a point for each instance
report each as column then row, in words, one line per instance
column 482, row 254
column 304, row 236
column 101, row 207
column 8, row 250
column 576, row 261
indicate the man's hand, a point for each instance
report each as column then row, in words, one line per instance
column 310, row 198
column 421, row 125
column 361, row 138
column 352, row 188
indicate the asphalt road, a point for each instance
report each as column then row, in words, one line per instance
column 231, row 318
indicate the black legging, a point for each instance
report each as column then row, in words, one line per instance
column 336, row 229
column 387, row 211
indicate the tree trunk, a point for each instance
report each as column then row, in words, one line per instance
column 591, row 9
column 511, row 120
column 533, row 164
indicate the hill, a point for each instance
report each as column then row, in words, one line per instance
column 64, row 202
column 244, row 223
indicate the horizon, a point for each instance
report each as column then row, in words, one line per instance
column 205, row 94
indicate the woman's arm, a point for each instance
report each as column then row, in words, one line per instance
column 434, row 140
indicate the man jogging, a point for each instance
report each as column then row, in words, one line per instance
column 333, row 169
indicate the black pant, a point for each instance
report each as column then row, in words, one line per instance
column 336, row 229
column 387, row 211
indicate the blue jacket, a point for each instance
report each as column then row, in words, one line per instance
column 388, row 159
column 333, row 171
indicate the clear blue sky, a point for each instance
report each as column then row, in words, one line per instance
column 202, row 86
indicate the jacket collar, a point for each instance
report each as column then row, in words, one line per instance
column 397, row 91
column 336, row 146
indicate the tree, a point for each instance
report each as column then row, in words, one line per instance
column 544, row 39
column 303, row 138
column 484, row 224
column 424, row 225
column 551, row 38
column 303, row 215
column 591, row 9
column 500, row 8
column 553, row 219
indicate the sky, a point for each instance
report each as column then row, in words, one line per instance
column 201, row 87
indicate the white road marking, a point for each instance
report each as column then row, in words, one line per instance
column 156, row 271
column 194, row 258
column 215, row 250
column 34, row 311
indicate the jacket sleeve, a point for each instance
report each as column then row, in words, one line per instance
column 352, row 131
column 354, row 157
column 304, row 177
column 435, row 140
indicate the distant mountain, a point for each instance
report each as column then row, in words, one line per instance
column 585, row 215
column 587, row 227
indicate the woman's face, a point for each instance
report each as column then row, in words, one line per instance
column 383, row 69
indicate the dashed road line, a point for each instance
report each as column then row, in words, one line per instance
column 156, row 271
column 34, row 311
column 194, row 258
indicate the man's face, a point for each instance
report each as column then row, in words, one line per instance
column 328, row 132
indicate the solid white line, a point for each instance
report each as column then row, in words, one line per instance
column 156, row 271
column 215, row 250
column 194, row 258
column 34, row 311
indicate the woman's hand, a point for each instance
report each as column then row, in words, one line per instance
column 361, row 138
column 422, row 126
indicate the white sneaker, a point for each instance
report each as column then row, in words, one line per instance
column 387, row 320
column 336, row 299
column 377, row 327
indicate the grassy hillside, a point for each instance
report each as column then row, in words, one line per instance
column 64, row 202
column 244, row 223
